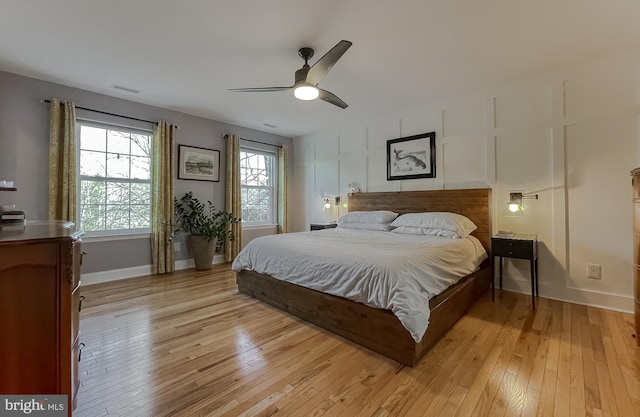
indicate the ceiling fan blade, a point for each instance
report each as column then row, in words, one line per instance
column 260, row 89
column 332, row 98
column 324, row 64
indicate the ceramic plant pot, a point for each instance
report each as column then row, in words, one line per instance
column 203, row 251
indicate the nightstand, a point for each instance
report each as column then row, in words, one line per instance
column 518, row 246
column 320, row 226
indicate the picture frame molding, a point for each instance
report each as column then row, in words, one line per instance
column 181, row 168
column 431, row 159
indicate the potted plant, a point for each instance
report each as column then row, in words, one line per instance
column 207, row 227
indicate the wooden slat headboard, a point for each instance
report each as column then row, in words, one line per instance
column 473, row 203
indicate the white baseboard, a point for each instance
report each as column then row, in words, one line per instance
column 135, row 271
column 615, row 302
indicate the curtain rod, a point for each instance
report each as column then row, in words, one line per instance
column 112, row 114
column 256, row 141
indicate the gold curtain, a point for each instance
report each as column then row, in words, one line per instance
column 282, row 189
column 233, row 201
column 62, row 161
column 162, row 208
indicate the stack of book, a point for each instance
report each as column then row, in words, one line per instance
column 12, row 218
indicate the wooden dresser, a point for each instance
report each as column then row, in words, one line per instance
column 39, row 309
column 635, row 182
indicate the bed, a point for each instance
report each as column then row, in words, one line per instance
column 379, row 329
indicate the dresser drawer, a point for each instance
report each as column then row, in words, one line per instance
column 638, row 322
column 76, row 352
column 512, row 248
column 76, row 305
column 635, row 182
column 637, row 284
column 77, row 261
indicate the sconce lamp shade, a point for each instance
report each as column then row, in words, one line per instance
column 329, row 202
column 326, row 204
column 515, row 206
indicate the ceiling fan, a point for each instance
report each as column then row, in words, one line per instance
column 307, row 78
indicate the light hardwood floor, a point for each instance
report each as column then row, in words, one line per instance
column 188, row 344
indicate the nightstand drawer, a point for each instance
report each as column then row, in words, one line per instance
column 321, row 226
column 512, row 248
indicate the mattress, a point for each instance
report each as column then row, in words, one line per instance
column 386, row 270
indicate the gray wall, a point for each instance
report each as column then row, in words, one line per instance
column 24, row 138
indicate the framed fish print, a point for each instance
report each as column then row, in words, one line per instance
column 412, row 157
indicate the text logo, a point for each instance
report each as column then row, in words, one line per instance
column 37, row 405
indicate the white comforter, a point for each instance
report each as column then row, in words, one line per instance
column 385, row 270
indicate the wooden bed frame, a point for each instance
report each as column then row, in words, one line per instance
column 379, row 329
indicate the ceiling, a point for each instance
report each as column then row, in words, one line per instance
column 184, row 55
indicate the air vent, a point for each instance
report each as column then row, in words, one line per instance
column 127, row 89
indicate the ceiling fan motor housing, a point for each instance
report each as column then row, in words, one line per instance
column 305, row 53
column 301, row 74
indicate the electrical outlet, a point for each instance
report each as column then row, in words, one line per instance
column 176, row 246
column 594, row 271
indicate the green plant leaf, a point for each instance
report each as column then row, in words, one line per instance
column 198, row 219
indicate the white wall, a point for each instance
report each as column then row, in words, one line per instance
column 570, row 136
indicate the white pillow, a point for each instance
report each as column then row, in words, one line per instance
column 366, row 226
column 380, row 216
column 407, row 230
column 437, row 220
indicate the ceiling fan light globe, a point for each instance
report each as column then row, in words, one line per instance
column 306, row 92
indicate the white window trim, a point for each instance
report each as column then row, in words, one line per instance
column 99, row 124
column 251, row 226
column 274, row 187
column 107, row 235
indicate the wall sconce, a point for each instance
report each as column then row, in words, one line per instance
column 329, row 202
column 353, row 187
column 516, row 202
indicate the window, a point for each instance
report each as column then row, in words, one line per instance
column 115, row 178
column 258, row 179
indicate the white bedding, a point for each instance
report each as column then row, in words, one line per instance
column 385, row 270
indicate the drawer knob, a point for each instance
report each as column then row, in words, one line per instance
column 510, row 253
column 80, row 303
